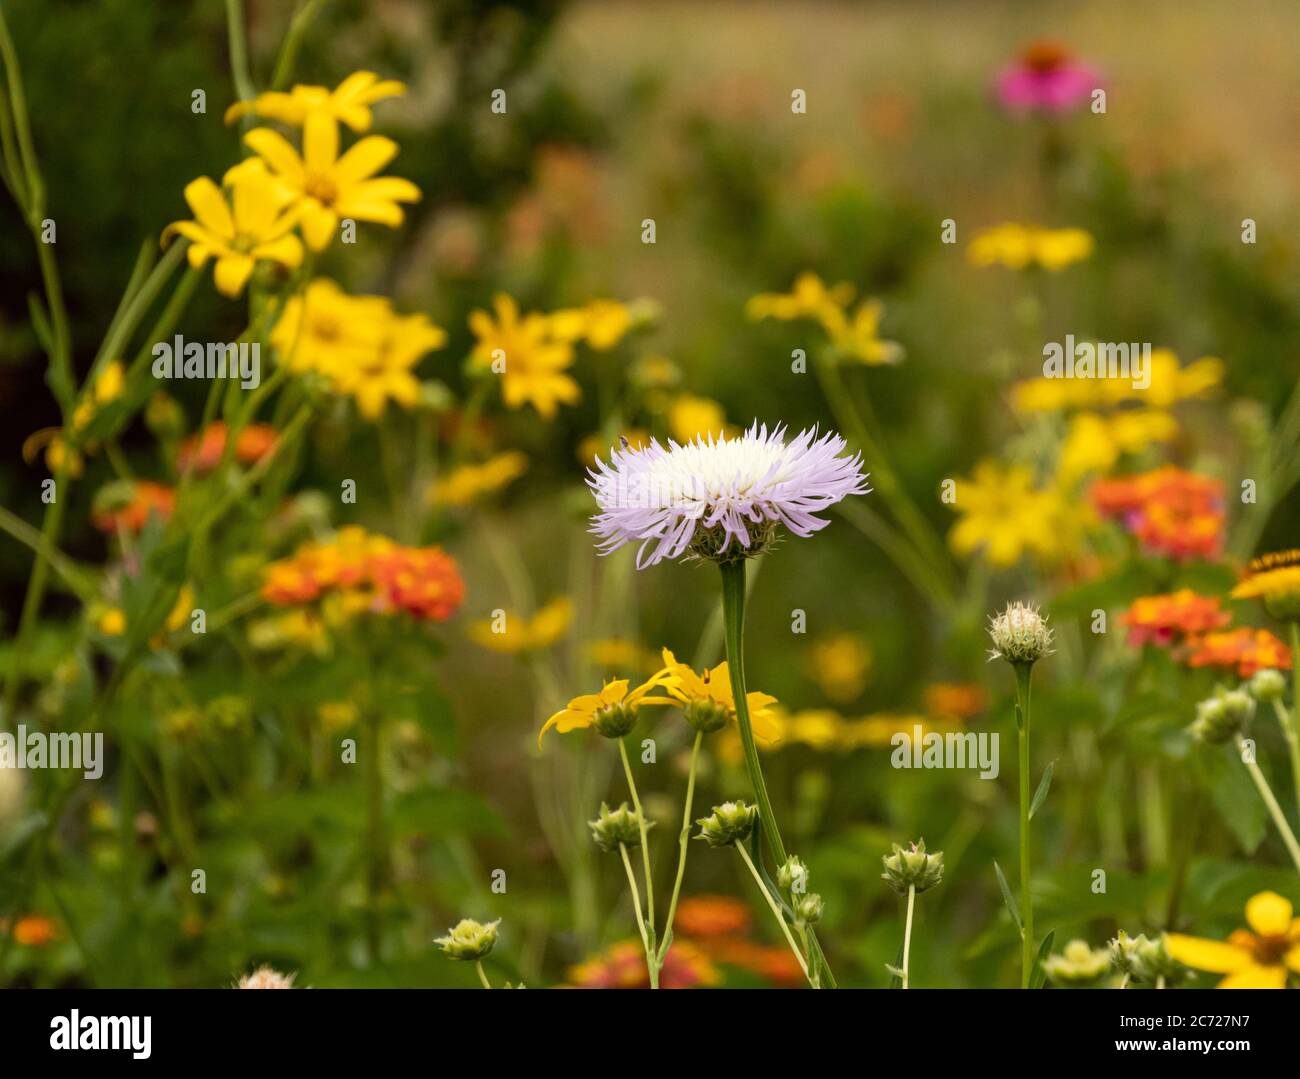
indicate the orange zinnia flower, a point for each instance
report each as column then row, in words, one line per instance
column 1171, row 512
column 712, row 916
column 126, row 507
column 1243, row 650
column 1163, row 619
column 422, row 581
column 35, row 931
column 202, row 452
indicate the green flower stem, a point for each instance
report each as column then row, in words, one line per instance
column 238, row 38
column 1287, row 721
column 645, row 847
column 652, row 968
column 776, row 911
column 374, row 832
column 907, row 932
column 1275, row 810
column 478, row 965
column 683, row 842
column 1027, row 956
column 733, row 619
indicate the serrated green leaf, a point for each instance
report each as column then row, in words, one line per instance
column 1007, row 897
column 1044, row 785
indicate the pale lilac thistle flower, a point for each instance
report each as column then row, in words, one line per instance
column 720, row 498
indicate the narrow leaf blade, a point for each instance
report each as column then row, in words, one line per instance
column 1007, row 897
column 1044, row 785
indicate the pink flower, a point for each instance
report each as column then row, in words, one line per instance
column 1046, row 78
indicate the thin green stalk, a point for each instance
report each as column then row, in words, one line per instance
column 374, row 833
column 645, row 846
column 733, row 618
column 65, row 567
column 1287, row 721
column 482, row 977
column 238, row 38
column 683, row 842
column 652, row 968
column 907, row 933
column 292, row 40
column 1027, row 956
column 1274, row 810
column 776, row 910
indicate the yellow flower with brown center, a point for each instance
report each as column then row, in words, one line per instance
column 387, row 372
column 709, row 704
column 255, row 225
column 612, row 711
column 511, row 633
column 469, row 483
column 1274, row 579
column 1255, row 958
column 349, row 102
column 524, row 352
column 326, row 187
column 326, row 329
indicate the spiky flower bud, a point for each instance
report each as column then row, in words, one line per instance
column 1223, row 716
column 1268, row 685
column 808, row 908
column 911, row 867
column 1020, row 635
column 614, row 720
column 616, row 826
column 731, row 822
column 469, row 939
column 1079, row 966
column 265, row 977
column 793, row 875
column 1146, row 961
column 706, row 715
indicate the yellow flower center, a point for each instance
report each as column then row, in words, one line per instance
column 322, row 188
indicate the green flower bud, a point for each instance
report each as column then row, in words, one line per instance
column 1020, row 635
column 793, row 875
column 706, row 716
column 912, row 867
column 731, row 822
column 469, row 939
column 1079, row 966
column 1221, row 717
column 1146, row 961
column 808, row 908
column 615, row 720
column 616, row 826
column 1268, row 685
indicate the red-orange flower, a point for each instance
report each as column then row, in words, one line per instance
column 1243, row 650
column 773, row 963
column 623, row 967
column 1165, row 618
column 955, row 700
column 126, row 506
column 423, row 581
column 711, row 916
column 202, row 452
column 1170, row 511
column 35, row 931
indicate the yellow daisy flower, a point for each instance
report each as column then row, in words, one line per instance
column 387, row 371
column 521, row 634
column 612, row 711
column 713, row 687
column 1004, row 515
column 1255, row 958
column 349, row 102
column 1274, row 579
column 689, row 417
column 859, row 338
column 255, row 225
column 808, row 298
column 325, row 329
column 1019, row 246
column 326, row 187
column 525, row 353
column 469, row 483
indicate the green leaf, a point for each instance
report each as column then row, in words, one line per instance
column 1224, row 777
column 1044, row 785
column 896, row 969
column 1039, row 975
column 1007, row 897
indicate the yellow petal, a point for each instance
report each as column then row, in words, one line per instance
column 232, row 274
column 564, row 721
column 276, row 151
column 209, row 206
column 1292, row 959
column 1211, row 955
column 320, row 142
column 1269, row 914
column 614, row 691
column 287, row 251
column 1255, row 977
column 363, row 160
column 318, row 225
